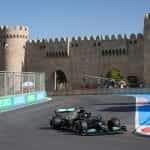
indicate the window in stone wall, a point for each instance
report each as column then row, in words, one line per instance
column 99, row 44
column 42, row 46
column 120, row 51
column 63, row 53
column 124, row 51
column 56, row 54
column 66, row 53
column 117, row 52
column 113, row 52
column 94, row 44
column 52, row 54
column 59, row 53
column 135, row 41
column 110, row 52
column 74, row 45
column 103, row 53
column 130, row 42
column 3, row 45
column 77, row 44
column 106, row 52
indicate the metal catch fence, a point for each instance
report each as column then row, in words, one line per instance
column 12, row 83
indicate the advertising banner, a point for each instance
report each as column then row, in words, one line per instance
column 6, row 102
column 30, row 98
column 41, row 95
column 24, row 99
column 19, row 100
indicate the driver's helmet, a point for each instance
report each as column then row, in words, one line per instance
column 80, row 110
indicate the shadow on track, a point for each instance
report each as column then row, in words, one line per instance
column 114, row 104
column 117, row 107
column 62, row 131
column 45, row 128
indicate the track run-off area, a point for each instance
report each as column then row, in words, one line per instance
column 28, row 128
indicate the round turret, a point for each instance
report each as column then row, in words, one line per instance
column 12, row 46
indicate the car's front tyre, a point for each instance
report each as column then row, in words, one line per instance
column 81, row 127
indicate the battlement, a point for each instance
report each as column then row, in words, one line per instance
column 87, row 39
column 107, row 37
column 136, row 36
column 14, row 32
column 147, row 16
column 48, row 41
column 17, row 28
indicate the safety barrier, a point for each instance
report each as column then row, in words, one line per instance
column 14, row 101
column 101, row 91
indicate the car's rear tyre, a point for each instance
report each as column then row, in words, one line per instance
column 113, row 122
column 55, row 123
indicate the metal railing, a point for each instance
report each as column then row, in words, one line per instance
column 12, row 83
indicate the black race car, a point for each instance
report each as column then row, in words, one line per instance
column 83, row 123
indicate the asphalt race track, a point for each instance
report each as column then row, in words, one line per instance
column 27, row 128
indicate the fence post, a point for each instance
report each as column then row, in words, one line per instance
column 14, row 82
column 40, row 81
column 22, row 75
column 5, row 84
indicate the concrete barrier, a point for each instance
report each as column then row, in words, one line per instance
column 101, row 91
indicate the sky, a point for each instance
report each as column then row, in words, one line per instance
column 68, row 18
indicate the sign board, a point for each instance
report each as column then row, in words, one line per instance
column 28, row 84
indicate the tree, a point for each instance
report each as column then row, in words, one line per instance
column 115, row 74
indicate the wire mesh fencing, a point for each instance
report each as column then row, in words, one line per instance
column 12, row 83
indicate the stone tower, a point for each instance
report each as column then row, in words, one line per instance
column 147, row 49
column 12, row 47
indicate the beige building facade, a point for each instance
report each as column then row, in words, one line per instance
column 67, row 61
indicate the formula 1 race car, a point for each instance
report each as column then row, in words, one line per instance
column 82, row 122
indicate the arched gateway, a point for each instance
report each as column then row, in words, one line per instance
column 59, row 80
